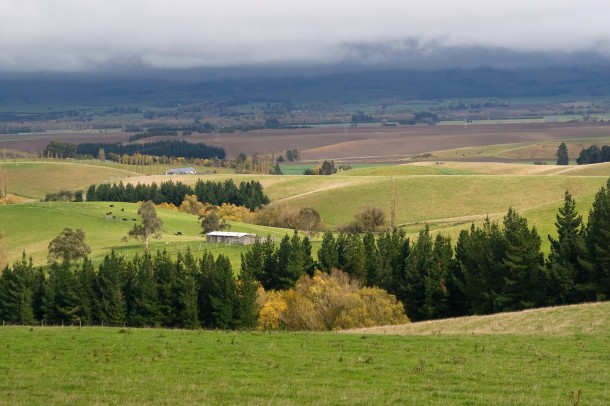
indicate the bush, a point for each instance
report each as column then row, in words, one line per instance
column 329, row 302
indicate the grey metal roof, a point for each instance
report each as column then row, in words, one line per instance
column 227, row 234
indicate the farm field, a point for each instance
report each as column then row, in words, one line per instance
column 461, row 192
column 21, row 223
column 497, row 362
column 366, row 143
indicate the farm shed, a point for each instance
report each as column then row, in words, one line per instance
column 230, row 238
column 181, row 171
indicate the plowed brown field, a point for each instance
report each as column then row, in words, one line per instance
column 363, row 143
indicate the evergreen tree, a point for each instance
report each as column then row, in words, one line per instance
column 352, row 258
column 110, row 300
column 223, row 295
column 436, row 300
column 394, row 249
column 17, row 290
column 60, row 304
column 187, row 291
column 247, row 307
column 145, row 309
column 564, row 262
column 597, row 240
column 418, row 264
column 562, row 155
column 523, row 273
column 371, row 255
column 167, row 283
column 479, row 254
column 328, row 256
column 85, row 282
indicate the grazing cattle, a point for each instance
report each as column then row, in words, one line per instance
column 124, row 219
column 114, row 217
column 178, row 233
column 112, row 205
column 122, row 209
column 109, row 213
column 133, row 219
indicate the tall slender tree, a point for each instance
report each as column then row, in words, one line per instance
column 562, row 155
column 564, row 262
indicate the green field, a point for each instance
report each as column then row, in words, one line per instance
column 448, row 197
column 29, row 228
column 71, row 365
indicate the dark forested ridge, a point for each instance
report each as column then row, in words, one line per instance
column 175, row 88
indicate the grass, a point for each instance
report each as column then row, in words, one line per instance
column 562, row 321
column 96, row 365
column 30, row 227
column 36, row 179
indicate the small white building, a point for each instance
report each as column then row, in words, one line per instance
column 181, row 171
column 230, row 238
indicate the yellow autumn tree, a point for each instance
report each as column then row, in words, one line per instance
column 329, row 302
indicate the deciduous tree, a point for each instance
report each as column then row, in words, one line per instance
column 151, row 224
column 68, row 246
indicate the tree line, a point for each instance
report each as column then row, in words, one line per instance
column 492, row 268
column 159, row 148
column 594, row 155
column 148, row 290
column 248, row 194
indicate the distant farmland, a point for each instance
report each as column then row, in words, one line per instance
column 368, row 143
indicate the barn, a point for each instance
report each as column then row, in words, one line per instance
column 230, row 238
column 181, row 171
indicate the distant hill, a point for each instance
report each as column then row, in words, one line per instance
column 177, row 88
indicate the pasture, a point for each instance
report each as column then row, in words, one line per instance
column 447, row 196
column 482, row 366
column 29, row 227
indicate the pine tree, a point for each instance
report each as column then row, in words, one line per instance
column 247, row 307
column 564, row 262
column 110, row 300
column 186, row 270
column 562, row 155
column 17, row 290
column 522, row 270
column 371, row 254
column 352, row 259
column 418, row 266
column 145, row 309
column 328, row 257
column 223, row 295
column 85, row 281
column 167, row 282
column 479, row 254
column 60, row 303
column 435, row 281
column 597, row 240
column 394, row 249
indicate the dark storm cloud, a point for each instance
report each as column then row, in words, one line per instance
column 74, row 35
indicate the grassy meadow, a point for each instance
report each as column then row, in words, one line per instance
column 31, row 226
column 448, row 196
column 464, row 366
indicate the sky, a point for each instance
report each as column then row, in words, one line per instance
column 84, row 35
